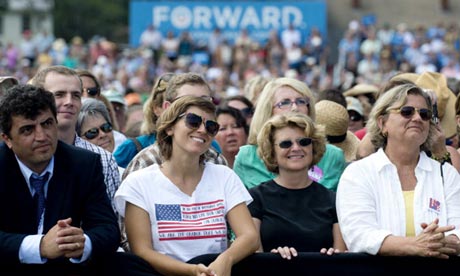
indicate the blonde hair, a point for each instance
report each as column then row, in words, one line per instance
column 266, row 140
column 265, row 103
column 179, row 80
column 40, row 76
column 254, row 87
column 155, row 99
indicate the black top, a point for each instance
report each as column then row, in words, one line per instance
column 299, row 218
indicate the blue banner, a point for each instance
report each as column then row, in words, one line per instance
column 200, row 18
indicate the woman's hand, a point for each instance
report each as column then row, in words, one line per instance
column 433, row 243
column 330, row 251
column 285, row 252
column 202, row 270
column 453, row 242
column 439, row 142
column 222, row 266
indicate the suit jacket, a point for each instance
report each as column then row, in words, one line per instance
column 76, row 190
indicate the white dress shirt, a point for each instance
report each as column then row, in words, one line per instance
column 370, row 202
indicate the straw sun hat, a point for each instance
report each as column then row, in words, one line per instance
column 334, row 118
column 361, row 89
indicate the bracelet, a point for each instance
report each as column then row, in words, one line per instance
column 443, row 159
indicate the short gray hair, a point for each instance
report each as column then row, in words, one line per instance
column 91, row 108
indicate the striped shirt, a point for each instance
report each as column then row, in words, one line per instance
column 109, row 166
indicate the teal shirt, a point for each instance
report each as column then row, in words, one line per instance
column 127, row 150
column 252, row 171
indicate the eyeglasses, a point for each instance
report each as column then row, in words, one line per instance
column 409, row 111
column 194, row 121
column 94, row 132
column 92, row 91
column 287, row 103
column 355, row 117
column 303, row 142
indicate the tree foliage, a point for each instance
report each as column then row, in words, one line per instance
column 87, row 18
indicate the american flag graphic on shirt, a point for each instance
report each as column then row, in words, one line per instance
column 203, row 220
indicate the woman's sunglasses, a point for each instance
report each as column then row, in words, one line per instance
column 354, row 116
column 247, row 112
column 194, row 121
column 92, row 91
column 303, row 142
column 94, row 132
column 409, row 111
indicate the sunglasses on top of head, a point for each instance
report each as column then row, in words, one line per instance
column 194, row 121
column 208, row 98
column 409, row 111
column 303, row 142
column 94, row 132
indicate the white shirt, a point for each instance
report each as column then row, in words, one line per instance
column 184, row 226
column 29, row 251
column 370, row 203
column 151, row 38
column 290, row 37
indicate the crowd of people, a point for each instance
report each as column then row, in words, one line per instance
column 148, row 162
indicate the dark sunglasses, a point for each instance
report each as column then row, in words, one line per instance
column 94, row 132
column 303, row 142
column 409, row 111
column 355, row 117
column 93, row 91
column 194, row 121
column 247, row 112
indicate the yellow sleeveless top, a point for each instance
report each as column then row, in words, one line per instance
column 409, row 202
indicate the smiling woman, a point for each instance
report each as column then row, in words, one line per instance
column 94, row 124
column 286, row 209
column 279, row 96
column 185, row 212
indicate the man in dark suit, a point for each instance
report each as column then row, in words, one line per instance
column 77, row 226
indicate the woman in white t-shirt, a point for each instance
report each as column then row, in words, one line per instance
column 179, row 210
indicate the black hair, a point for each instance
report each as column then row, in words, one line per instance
column 333, row 94
column 24, row 100
column 240, row 98
column 235, row 113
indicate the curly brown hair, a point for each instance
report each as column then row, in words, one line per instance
column 266, row 140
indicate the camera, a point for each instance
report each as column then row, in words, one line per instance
column 435, row 114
